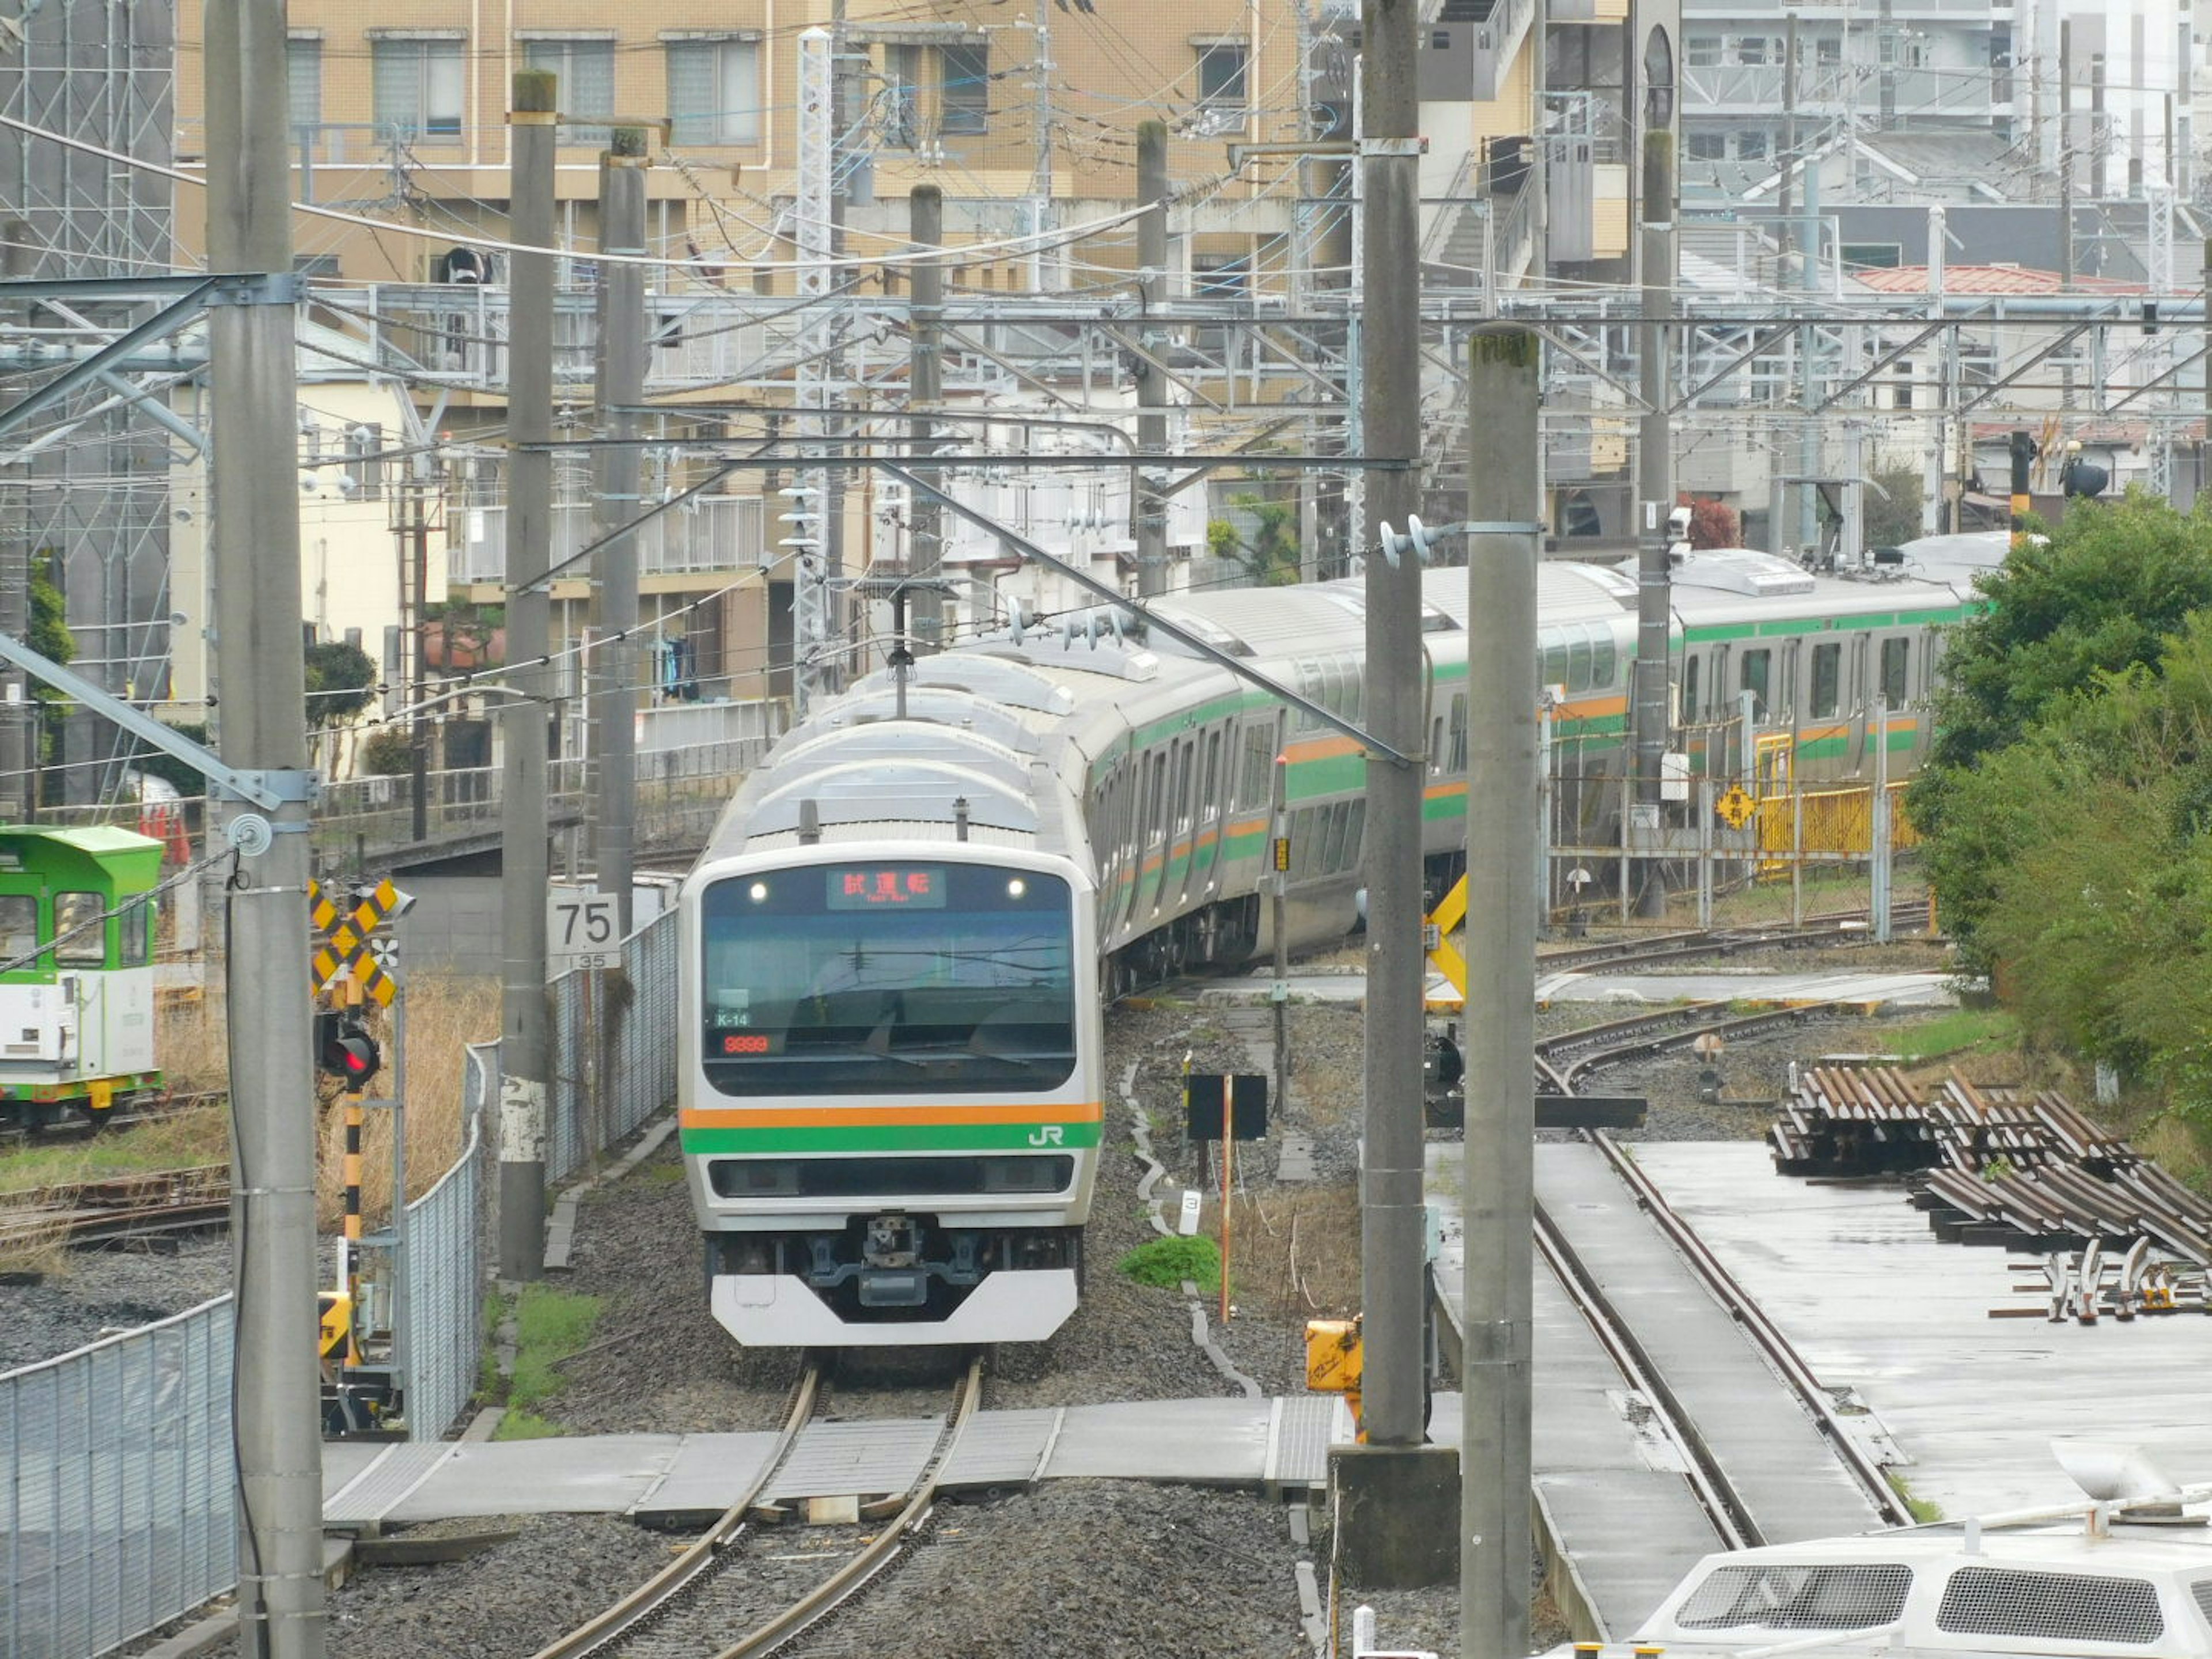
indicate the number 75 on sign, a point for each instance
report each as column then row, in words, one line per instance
column 582, row 929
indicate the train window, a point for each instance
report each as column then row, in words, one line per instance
column 1555, row 659
column 1689, row 710
column 1158, row 813
column 1436, row 745
column 1186, row 753
column 1459, row 734
column 1600, row 655
column 1578, row 664
column 1827, row 674
column 1332, row 852
column 19, row 926
column 1896, row 654
column 1756, row 664
column 80, row 938
column 1257, row 756
column 138, row 934
column 1209, row 804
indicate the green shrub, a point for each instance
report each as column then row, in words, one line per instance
column 1168, row 1263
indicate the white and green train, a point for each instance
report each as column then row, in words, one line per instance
column 76, row 970
column 895, row 949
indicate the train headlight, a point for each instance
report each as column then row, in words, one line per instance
column 1017, row 887
column 757, row 891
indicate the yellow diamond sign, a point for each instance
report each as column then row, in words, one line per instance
column 1736, row 807
column 1444, row 922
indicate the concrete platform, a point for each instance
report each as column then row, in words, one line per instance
column 1866, row 1293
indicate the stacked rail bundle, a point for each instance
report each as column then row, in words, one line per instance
column 1841, row 1120
column 1989, row 1163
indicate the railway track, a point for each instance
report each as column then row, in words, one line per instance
column 1560, row 1061
column 1840, row 928
column 14, row 1136
column 704, row 1605
column 127, row 1206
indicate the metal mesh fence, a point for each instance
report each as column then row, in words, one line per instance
column 446, row 1254
column 613, row 1045
column 118, row 1507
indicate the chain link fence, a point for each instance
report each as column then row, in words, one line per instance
column 613, row 1043
column 448, row 1239
column 117, row 1507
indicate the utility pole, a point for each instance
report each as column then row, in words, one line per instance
column 1504, row 471
column 524, row 1071
column 2066, row 155
column 1655, row 473
column 254, row 438
column 415, row 577
column 1041, row 178
column 614, row 576
column 925, row 394
column 2098, row 179
column 1152, row 506
column 1886, row 55
column 1396, row 1492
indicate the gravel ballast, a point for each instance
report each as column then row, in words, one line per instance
column 1080, row 1567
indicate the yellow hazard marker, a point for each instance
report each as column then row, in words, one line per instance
column 1335, row 1362
column 1443, row 956
column 345, row 948
column 1736, row 806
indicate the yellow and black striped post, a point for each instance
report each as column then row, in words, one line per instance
column 350, row 996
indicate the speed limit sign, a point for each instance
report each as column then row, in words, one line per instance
column 582, row 929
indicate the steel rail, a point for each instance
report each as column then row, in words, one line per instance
column 840, row 1586
column 1715, row 1493
column 1744, row 1309
column 1721, row 1285
column 703, row 1555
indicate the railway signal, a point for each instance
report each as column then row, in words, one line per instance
column 344, row 1048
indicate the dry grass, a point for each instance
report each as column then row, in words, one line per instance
column 445, row 1014
column 1293, row 1252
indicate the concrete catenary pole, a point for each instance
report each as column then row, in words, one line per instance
column 254, row 433
column 925, row 393
column 1396, row 1493
column 1152, row 506
column 523, row 1068
column 1655, row 488
column 1504, row 480
column 620, row 369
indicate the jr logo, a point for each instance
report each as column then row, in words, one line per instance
column 1046, row 1134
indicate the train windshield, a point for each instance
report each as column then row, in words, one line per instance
column 877, row 977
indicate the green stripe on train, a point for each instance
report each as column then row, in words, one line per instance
column 895, row 1137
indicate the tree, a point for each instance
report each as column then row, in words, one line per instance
column 1891, row 515
column 2077, row 862
column 341, row 682
column 1270, row 557
column 52, row 639
column 1714, row 524
column 2103, row 593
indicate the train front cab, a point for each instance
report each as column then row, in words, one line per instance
column 76, row 969
column 890, row 1101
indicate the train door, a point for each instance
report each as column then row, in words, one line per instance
column 1213, row 815
column 1174, row 815
column 1892, row 680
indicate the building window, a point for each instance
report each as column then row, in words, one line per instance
column 1701, row 52
column 1828, row 51
column 418, row 87
column 1751, row 147
column 901, row 102
column 963, row 97
column 1753, row 49
column 303, row 76
column 1707, row 146
column 1221, row 77
column 1220, row 276
column 713, row 92
column 585, row 72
